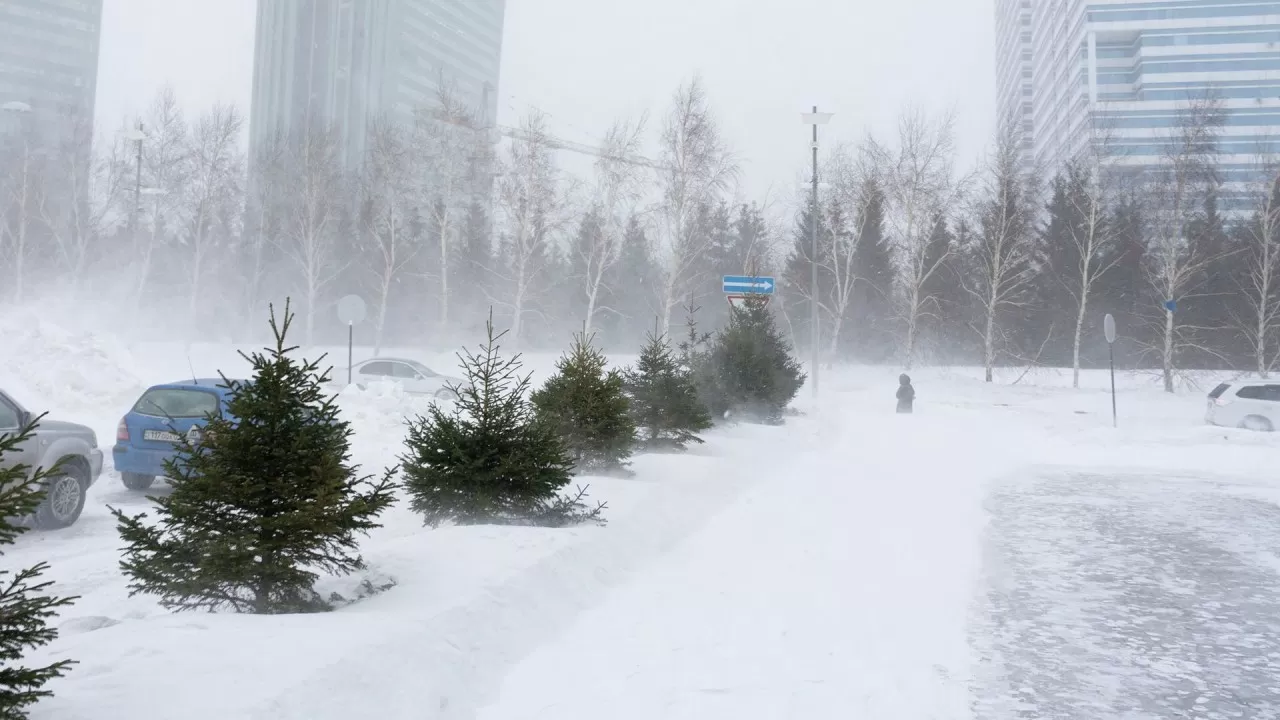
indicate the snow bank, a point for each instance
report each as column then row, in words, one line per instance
column 49, row 367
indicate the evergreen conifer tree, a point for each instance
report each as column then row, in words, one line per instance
column 664, row 400
column 586, row 405
column 24, row 608
column 490, row 459
column 263, row 503
column 752, row 373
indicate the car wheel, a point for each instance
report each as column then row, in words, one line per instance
column 137, row 481
column 1256, row 423
column 447, row 394
column 64, row 498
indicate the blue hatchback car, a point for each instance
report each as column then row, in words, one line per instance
column 147, row 434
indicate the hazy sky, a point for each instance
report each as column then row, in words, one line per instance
column 585, row 62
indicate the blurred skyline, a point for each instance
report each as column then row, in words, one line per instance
column 587, row 62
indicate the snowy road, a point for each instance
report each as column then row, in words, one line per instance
column 1130, row 596
column 839, row 588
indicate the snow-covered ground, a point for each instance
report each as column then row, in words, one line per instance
column 849, row 563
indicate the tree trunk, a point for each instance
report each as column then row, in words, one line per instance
column 989, row 343
column 836, row 324
column 444, row 271
column 1168, row 351
column 383, row 294
column 591, row 308
column 913, row 318
column 1075, row 344
column 1260, row 350
column 20, row 248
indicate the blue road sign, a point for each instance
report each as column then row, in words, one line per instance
column 1171, row 305
column 746, row 285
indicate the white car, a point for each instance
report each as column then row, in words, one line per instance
column 1249, row 404
column 411, row 375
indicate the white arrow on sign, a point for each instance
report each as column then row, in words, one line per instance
column 749, row 286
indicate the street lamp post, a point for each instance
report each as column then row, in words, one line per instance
column 136, row 135
column 815, row 119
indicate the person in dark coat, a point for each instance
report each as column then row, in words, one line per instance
column 906, row 394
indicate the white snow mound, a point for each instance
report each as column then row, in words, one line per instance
column 51, row 368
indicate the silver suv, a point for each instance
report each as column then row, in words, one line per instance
column 71, row 447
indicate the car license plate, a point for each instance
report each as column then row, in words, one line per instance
column 160, row 435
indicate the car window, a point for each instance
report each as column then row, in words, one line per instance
column 424, row 370
column 376, row 368
column 177, row 403
column 1217, row 392
column 1271, row 393
column 1251, row 392
column 9, row 419
column 403, row 370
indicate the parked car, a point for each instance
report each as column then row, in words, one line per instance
column 412, row 375
column 148, row 433
column 1249, row 404
column 70, row 449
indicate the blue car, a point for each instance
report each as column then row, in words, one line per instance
column 147, row 434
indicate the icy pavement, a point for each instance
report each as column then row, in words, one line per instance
column 1129, row 596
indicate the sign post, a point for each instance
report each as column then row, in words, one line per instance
column 351, row 310
column 1109, row 328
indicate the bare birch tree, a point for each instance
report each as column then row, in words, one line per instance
column 1176, row 258
column 920, row 187
column 444, row 141
column 1261, row 283
column 1003, row 250
column 854, row 178
column 314, row 203
column 618, row 186
column 529, row 209
column 82, row 209
column 19, row 205
column 164, row 174
column 387, row 191
column 1093, row 236
column 265, row 210
column 213, row 193
column 697, row 168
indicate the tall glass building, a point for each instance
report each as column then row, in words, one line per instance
column 348, row 62
column 1119, row 71
column 48, row 64
column 1013, row 71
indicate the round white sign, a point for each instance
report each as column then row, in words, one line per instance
column 351, row 309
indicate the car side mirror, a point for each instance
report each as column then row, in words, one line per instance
column 24, row 417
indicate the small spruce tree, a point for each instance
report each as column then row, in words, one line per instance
column 24, row 608
column 664, row 399
column 490, row 459
column 263, row 503
column 695, row 360
column 587, row 406
column 751, row 371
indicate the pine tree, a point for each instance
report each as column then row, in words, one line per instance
column 24, row 608
column 664, row 400
column 871, row 334
column 752, row 371
column 490, row 460
column 586, row 405
column 632, row 287
column 263, row 504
